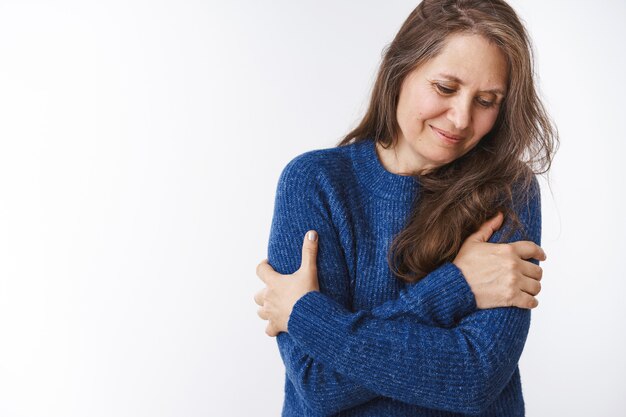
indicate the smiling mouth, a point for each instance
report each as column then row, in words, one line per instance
column 446, row 135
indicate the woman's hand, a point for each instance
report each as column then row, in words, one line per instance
column 498, row 273
column 279, row 296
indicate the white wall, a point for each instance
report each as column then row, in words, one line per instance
column 140, row 145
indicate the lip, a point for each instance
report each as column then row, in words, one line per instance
column 446, row 135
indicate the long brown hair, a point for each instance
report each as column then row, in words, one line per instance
column 456, row 198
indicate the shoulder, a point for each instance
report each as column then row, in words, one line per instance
column 318, row 169
column 526, row 196
column 306, row 199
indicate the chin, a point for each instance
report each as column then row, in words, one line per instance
column 439, row 162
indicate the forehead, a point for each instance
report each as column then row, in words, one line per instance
column 472, row 60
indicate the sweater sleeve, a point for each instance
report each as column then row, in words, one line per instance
column 440, row 299
column 460, row 369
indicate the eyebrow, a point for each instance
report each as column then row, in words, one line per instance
column 458, row 80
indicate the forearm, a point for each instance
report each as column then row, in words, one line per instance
column 324, row 390
column 460, row 369
column 442, row 298
column 327, row 391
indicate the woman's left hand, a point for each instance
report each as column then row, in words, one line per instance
column 281, row 292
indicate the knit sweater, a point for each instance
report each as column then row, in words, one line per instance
column 368, row 344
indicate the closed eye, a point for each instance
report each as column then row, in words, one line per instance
column 485, row 103
column 444, row 90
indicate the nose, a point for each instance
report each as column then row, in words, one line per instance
column 460, row 113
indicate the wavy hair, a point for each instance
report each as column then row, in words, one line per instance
column 456, row 198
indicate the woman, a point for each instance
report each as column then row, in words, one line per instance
column 429, row 224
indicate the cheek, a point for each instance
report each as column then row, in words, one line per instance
column 484, row 123
column 429, row 107
column 419, row 104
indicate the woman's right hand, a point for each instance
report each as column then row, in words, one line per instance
column 498, row 273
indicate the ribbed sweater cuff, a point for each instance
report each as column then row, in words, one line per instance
column 314, row 322
column 447, row 293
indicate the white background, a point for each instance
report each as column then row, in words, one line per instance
column 140, row 146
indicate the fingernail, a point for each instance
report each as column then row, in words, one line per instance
column 312, row 235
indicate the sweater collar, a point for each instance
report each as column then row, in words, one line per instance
column 376, row 178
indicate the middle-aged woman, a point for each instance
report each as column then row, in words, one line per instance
column 428, row 222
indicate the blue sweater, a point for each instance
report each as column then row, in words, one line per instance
column 368, row 344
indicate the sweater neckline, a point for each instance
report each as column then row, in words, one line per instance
column 373, row 175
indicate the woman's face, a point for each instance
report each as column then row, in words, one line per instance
column 449, row 103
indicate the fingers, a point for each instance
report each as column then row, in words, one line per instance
column 524, row 300
column 259, row 297
column 531, row 270
column 486, row 229
column 532, row 274
column 527, row 250
column 309, row 250
column 262, row 313
column 271, row 330
column 264, row 271
column 530, row 286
